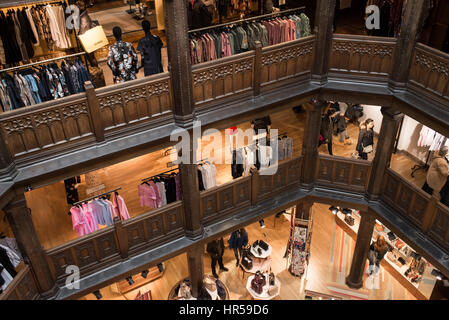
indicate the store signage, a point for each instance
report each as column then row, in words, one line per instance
column 93, row 39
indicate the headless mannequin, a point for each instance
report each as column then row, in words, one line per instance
column 150, row 49
column 122, row 58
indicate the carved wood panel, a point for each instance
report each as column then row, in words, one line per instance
column 341, row 173
column 325, row 169
column 355, row 55
column 155, row 226
column 136, row 234
column 440, row 227
column 209, row 205
column 26, row 288
column 430, row 70
column 106, row 245
column 265, row 185
column 135, row 102
column 242, row 191
column 286, row 62
column 61, row 260
column 44, row 128
column 418, row 209
column 293, row 171
column 222, row 79
column 85, row 254
column 360, row 175
column 173, row 219
column 390, row 188
column 226, row 197
column 404, row 200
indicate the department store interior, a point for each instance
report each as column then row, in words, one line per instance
column 309, row 258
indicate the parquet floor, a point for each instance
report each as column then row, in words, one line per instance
column 49, row 208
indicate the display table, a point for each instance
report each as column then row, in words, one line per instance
column 259, row 264
column 264, row 295
column 172, row 296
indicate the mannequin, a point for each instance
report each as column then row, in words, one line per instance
column 122, row 58
column 150, row 49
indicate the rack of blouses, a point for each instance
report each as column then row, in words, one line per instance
column 432, row 139
column 25, row 27
column 160, row 190
column 10, row 258
column 35, row 83
column 207, row 174
column 260, row 155
column 227, row 39
column 89, row 214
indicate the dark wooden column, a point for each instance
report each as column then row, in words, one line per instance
column 303, row 210
column 411, row 26
column 19, row 218
column 310, row 142
column 324, row 18
column 360, row 255
column 385, row 145
column 179, row 63
column 181, row 80
column 196, row 267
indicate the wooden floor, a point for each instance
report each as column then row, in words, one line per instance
column 49, row 208
column 292, row 288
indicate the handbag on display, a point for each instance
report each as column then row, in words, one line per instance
column 272, row 290
column 392, row 256
column 263, row 245
column 272, row 279
column 349, row 220
column 255, row 244
column 379, row 227
column 220, row 289
column 401, row 260
column 399, row 244
column 259, row 251
column 247, row 263
column 258, row 282
column 391, row 236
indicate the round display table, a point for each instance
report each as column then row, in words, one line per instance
column 264, row 295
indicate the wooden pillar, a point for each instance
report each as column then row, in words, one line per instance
column 324, row 18
column 196, row 267
column 94, row 111
column 310, row 142
column 411, row 26
column 360, row 255
column 19, row 218
column 179, row 63
column 303, row 210
column 385, row 145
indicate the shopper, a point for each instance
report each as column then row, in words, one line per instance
column 215, row 248
column 122, row 58
column 150, row 49
column 365, row 142
column 377, row 251
column 327, row 129
column 238, row 241
column 340, row 122
column 437, row 173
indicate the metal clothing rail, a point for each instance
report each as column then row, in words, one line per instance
column 97, row 196
column 249, row 19
column 149, row 178
column 43, row 61
column 22, row 3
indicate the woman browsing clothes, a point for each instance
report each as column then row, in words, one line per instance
column 365, row 143
column 377, row 251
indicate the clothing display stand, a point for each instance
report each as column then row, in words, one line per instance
column 263, row 262
column 264, row 295
column 100, row 195
column 158, row 175
column 154, row 273
column 300, row 246
column 172, row 296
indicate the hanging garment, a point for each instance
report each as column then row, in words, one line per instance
column 6, row 262
column 70, row 190
column 79, row 221
column 163, row 197
column 150, row 48
column 120, row 208
column 5, row 278
column 13, row 257
column 237, row 164
column 147, row 196
column 122, row 59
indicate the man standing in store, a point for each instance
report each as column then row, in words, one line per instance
column 437, row 174
column 215, row 248
column 238, row 241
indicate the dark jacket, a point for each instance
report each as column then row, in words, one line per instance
column 327, row 128
column 150, row 48
column 380, row 254
column 366, row 138
column 198, row 15
column 238, row 240
column 340, row 122
column 261, row 123
column 215, row 248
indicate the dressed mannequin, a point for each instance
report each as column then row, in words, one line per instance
column 122, row 58
column 150, row 49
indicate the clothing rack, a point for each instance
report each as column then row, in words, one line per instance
column 23, row 3
column 42, row 62
column 268, row 15
column 157, row 175
column 97, row 196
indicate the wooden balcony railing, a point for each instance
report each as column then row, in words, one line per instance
column 418, row 207
column 343, row 173
column 223, row 201
column 429, row 72
column 23, row 287
column 361, row 57
column 112, row 244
